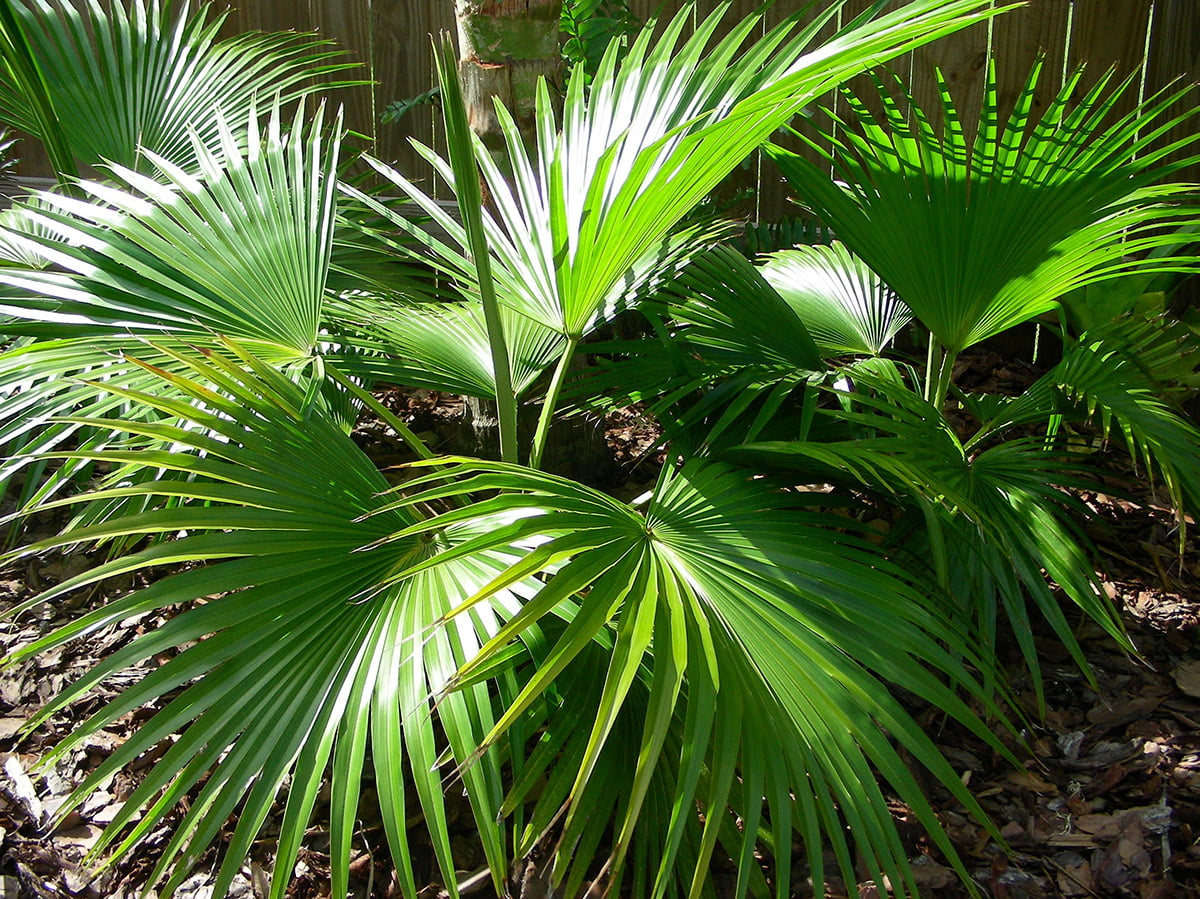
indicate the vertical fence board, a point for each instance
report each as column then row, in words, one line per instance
column 1109, row 33
column 1019, row 38
column 403, row 62
column 392, row 38
column 261, row 15
column 1175, row 39
column 348, row 23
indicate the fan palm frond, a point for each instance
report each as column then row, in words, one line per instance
column 997, row 521
column 843, row 304
column 760, row 618
column 308, row 652
column 996, row 231
column 150, row 77
column 586, row 221
column 242, row 251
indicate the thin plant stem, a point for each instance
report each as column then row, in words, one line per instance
column 547, row 415
column 931, row 365
column 939, row 369
column 415, row 443
column 460, row 142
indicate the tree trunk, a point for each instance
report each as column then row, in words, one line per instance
column 504, row 47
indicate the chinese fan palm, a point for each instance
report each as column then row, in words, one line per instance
column 635, row 691
column 978, row 237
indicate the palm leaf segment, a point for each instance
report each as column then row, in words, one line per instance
column 995, row 231
column 584, row 224
column 137, row 77
column 308, row 653
column 761, row 621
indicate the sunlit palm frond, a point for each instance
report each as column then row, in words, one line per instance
column 153, row 76
column 977, row 238
column 586, row 220
column 844, row 305
column 242, row 251
column 761, row 619
column 44, row 381
column 17, row 220
column 307, row 653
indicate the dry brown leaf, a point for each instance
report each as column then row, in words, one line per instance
column 1187, row 677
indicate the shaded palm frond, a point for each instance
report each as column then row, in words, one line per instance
column 439, row 345
column 995, row 524
column 728, row 354
column 1117, row 376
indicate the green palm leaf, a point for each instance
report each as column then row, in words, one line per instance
column 586, row 223
column 977, row 238
column 244, row 252
column 309, row 651
column 843, row 304
column 994, row 524
column 760, row 619
column 126, row 78
column 439, row 345
column 1117, row 376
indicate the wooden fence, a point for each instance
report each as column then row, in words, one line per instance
column 1160, row 39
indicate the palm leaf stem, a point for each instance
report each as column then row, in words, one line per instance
column 415, row 443
column 939, row 371
column 548, row 405
column 460, row 140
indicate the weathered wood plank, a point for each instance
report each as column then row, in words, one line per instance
column 1174, row 57
column 403, row 65
column 349, row 24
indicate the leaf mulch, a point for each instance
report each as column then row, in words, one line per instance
column 1106, row 803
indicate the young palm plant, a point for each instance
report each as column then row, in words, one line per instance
column 596, row 673
column 997, row 232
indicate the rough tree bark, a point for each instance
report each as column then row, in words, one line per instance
column 504, row 47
